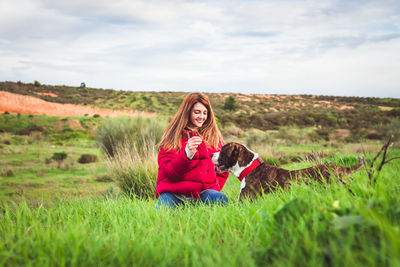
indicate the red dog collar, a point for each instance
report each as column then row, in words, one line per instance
column 253, row 165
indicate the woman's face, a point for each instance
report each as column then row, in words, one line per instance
column 198, row 115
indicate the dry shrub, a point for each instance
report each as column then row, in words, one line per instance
column 135, row 173
column 134, row 131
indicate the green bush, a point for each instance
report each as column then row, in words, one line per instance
column 135, row 174
column 87, row 158
column 134, row 132
column 231, row 104
column 59, row 156
column 130, row 146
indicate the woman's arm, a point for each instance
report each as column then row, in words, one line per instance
column 173, row 164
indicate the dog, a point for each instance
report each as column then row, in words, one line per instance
column 257, row 177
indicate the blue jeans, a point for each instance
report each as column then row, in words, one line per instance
column 208, row 197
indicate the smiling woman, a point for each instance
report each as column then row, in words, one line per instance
column 198, row 115
column 186, row 172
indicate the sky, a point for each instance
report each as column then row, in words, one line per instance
column 339, row 48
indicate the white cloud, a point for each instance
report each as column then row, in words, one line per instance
column 321, row 47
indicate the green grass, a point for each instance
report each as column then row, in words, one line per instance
column 71, row 214
column 307, row 225
column 296, row 227
column 34, row 178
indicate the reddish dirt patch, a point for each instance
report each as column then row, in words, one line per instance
column 346, row 107
column 49, row 94
column 385, row 108
column 15, row 103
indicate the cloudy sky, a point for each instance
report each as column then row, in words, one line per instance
column 344, row 48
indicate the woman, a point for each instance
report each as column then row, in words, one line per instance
column 185, row 170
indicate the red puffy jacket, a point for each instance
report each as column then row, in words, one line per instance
column 180, row 175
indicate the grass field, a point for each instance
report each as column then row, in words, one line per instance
column 27, row 171
column 70, row 214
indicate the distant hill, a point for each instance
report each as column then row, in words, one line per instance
column 361, row 115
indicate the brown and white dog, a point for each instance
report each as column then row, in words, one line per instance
column 258, row 177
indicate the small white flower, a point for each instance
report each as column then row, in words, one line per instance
column 336, row 204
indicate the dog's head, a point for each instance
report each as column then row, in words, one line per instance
column 233, row 158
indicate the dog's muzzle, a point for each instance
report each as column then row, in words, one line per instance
column 218, row 168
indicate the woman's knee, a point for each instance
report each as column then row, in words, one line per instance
column 167, row 200
column 214, row 197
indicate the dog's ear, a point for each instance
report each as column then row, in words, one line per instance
column 229, row 154
column 245, row 156
column 232, row 151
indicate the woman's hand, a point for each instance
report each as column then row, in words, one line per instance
column 192, row 145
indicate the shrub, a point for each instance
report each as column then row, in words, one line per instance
column 59, row 156
column 135, row 174
column 130, row 146
column 36, row 83
column 231, row 104
column 9, row 173
column 87, row 158
column 134, row 132
column 6, row 142
column 320, row 133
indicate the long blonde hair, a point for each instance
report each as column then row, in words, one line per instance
column 209, row 132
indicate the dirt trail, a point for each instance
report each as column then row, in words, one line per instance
column 15, row 103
